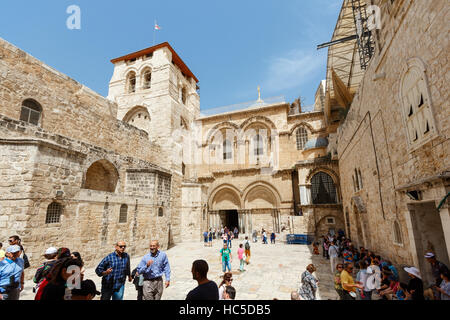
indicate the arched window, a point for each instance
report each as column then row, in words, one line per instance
column 417, row 108
column 258, row 145
column 398, row 239
column 54, row 211
column 323, row 189
column 131, row 82
column 227, row 150
column 123, row 213
column 160, row 212
column 147, row 78
column 302, row 138
column 31, row 111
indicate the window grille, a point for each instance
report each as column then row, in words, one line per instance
column 302, row 138
column 323, row 189
column 123, row 213
column 54, row 211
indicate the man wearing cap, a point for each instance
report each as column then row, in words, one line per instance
column 11, row 274
column 437, row 268
column 51, row 256
column 87, row 291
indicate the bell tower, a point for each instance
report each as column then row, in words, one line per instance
column 155, row 91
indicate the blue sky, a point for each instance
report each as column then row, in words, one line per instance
column 231, row 46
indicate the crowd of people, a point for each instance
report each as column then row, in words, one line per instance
column 361, row 274
column 61, row 275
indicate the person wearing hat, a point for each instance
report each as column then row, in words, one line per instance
column 437, row 267
column 42, row 271
column 415, row 285
column 11, row 274
column 87, row 291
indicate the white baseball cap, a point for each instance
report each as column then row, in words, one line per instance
column 51, row 250
column 429, row 255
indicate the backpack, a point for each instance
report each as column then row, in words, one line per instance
column 247, row 246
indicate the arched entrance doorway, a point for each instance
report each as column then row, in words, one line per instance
column 225, row 205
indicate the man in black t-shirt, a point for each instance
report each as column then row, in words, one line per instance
column 207, row 289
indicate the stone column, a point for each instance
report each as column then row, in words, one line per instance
column 444, row 212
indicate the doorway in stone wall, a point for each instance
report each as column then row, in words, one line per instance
column 428, row 236
column 232, row 219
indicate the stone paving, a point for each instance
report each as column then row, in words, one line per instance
column 274, row 271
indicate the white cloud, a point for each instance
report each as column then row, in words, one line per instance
column 291, row 70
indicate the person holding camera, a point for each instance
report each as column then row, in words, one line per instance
column 225, row 254
column 11, row 274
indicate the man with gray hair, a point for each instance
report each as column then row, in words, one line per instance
column 153, row 266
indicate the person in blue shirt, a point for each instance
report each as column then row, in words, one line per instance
column 11, row 274
column 114, row 269
column 153, row 266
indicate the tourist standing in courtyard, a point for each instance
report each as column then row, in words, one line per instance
column 153, row 266
column 206, row 289
column 272, row 237
column 226, row 258
column 210, row 237
column 226, row 281
column 240, row 253
column 42, row 271
column 229, row 238
column 205, row 238
column 236, row 233
column 309, row 285
column 333, row 254
column 255, row 236
column 11, row 274
column 56, row 286
column 15, row 240
column 114, row 270
column 247, row 250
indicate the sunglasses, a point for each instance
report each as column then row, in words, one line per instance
column 10, row 241
column 122, row 247
column 340, row 267
column 230, row 280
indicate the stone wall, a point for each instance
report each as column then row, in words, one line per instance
column 374, row 139
column 78, row 146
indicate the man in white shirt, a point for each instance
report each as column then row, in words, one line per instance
column 333, row 252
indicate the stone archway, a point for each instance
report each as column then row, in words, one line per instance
column 262, row 203
column 225, row 204
column 102, row 175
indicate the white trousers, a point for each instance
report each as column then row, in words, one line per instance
column 333, row 261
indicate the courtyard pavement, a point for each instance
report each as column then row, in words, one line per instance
column 274, row 271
